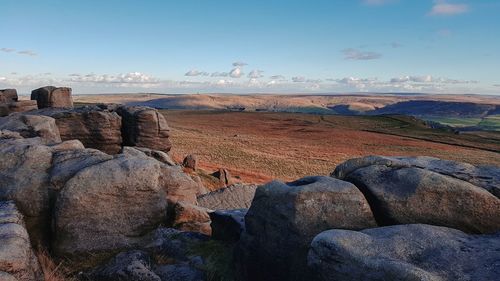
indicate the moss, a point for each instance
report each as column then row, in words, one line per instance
column 218, row 257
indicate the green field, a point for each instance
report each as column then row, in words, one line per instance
column 489, row 123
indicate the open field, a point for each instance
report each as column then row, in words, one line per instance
column 260, row 146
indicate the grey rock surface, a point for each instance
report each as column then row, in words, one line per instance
column 30, row 126
column 405, row 252
column 236, row 196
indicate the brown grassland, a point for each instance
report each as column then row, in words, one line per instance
column 260, row 146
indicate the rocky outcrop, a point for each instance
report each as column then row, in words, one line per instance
column 237, row 196
column 223, row 176
column 190, row 162
column 424, row 190
column 51, row 96
column 284, row 218
column 17, row 106
column 8, row 95
column 144, row 127
column 29, row 126
column 108, row 206
column 17, row 260
column 405, row 252
column 227, row 225
column 192, row 218
column 156, row 154
column 96, row 127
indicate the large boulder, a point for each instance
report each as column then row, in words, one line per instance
column 17, row 260
column 96, row 127
column 178, row 185
column 156, row 154
column 51, row 96
column 402, row 191
column 24, row 175
column 17, row 106
column 144, row 127
column 188, row 217
column 284, row 218
column 237, row 196
column 227, row 225
column 30, row 126
column 108, row 207
column 8, row 95
column 404, row 252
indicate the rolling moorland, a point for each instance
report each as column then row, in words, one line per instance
column 261, row 137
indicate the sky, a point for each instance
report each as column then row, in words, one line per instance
column 278, row 46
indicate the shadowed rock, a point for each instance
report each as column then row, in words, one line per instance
column 17, row 260
column 190, row 161
column 8, row 95
column 404, row 252
column 144, row 127
column 30, row 126
column 51, row 96
column 228, row 225
column 284, row 218
column 17, row 106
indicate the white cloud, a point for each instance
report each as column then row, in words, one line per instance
column 254, row 74
column 219, row 74
column 194, row 72
column 430, row 79
column 7, row 50
column 496, row 85
column 27, row 53
column 277, row 77
column 299, row 79
column 236, row 72
column 239, row 64
column 442, row 8
column 354, row 54
column 135, row 78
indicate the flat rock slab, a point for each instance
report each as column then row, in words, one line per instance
column 405, row 252
column 237, row 196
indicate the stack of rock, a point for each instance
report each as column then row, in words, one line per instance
column 9, row 103
column 50, row 96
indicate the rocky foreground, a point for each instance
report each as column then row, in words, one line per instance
column 96, row 188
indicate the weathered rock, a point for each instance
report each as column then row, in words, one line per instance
column 95, row 126
column 156, row 154
column 179, row 272
column 32, row 126
column 192, row 218
column 126, row 266
column 227, row 225
column 108, row 207
column 405, row 252
column 190, row 161
column 284, row 218
column 17, row 260
column 178, row 185
column 487, row 177
column 6, row 134
column 8, row 95
column 51, row 96
column 223, row 176
column 17, row 106
column 402, row 194
column 144, row 127
column 24, row 175
column 237, row 196
column 67, row 145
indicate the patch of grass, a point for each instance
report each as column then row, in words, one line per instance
column 51, row 270
column 218, row 257
column 455, row 122
column 490, row 123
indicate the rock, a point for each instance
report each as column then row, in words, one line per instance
column 227, row 225
column 126, row 266
column 17, row 106
column 487, row 177
column 8, row 95
column 108, row 207
column 68, row 145
column 32, row 126
column 405, row 194
column 237, row 196
column 192, row 218
column 284, row 218
column 190, row 162
column 144, row 127
column 51, row 96
column 156, row 154
column 179, row 272
column 223, row 176
column 404, row 252
column 6, row 134
column 24, row 175
column 96, row 127
column 178, row 185
column 17, row 260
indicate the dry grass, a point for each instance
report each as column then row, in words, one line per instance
column 51, row 270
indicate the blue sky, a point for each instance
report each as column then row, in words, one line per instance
column 252, row 46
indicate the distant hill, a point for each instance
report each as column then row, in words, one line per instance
column 439, row 108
